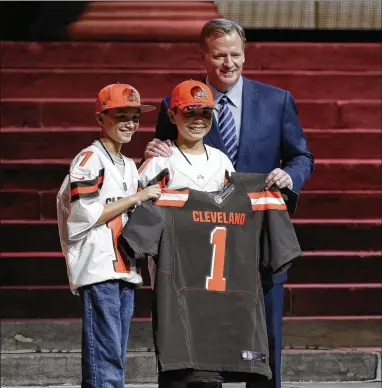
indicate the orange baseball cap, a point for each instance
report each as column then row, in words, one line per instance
column 191, row 93
column 120, row 96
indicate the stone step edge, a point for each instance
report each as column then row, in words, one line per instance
column 336, row 365
column 300, row 333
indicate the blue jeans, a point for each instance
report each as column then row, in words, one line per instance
column 107, row 309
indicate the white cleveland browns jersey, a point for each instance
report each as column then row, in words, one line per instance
column 90, row 250
column 178, row 171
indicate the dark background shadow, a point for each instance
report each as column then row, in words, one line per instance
column 38, row 20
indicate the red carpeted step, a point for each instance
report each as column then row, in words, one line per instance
column 139, row 55
column 23, row 204
column 319, row 56
column 331, row 174
column 360, row 114
column 316, row 234
column 31, row 269
column 60, row 113
column 56, row 83
column 340, row 299
column 335, row 204
column 299, row 300
column 345, row 144
column 352, row 174
column 79, row 112
column 336, row 267
column 26, row 143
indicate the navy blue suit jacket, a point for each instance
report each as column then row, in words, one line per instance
column 270, row 137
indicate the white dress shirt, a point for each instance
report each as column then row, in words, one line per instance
column 235, row 96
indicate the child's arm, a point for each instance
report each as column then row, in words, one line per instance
column 114, row 209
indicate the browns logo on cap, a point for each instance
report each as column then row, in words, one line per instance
column 198, row 92
column 130, row 95
column 191, row 93
column 120, row 96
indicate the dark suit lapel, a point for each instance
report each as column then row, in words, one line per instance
column 213, row 138
column 248, row 117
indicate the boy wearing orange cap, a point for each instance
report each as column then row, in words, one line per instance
column 192, row 163
column 92, row 208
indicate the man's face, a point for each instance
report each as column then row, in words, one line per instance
column 119, row 124
column 223, row 57
column 193, row 124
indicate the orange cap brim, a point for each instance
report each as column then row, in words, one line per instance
column 143, row 108
column 199, row 105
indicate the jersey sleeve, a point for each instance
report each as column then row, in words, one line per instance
column 278, row 241
column 142, row 233
column 86, row 178
column 154, row 171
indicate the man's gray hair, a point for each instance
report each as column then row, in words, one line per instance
column 222, row 27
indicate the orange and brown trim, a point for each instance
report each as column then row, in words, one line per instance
column 173, row 198
column 161, row 179
column 86, row 188
column 144, row 165
column 267, row 200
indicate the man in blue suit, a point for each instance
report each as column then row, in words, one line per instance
column 260, row 132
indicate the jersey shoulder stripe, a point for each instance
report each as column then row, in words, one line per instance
column 144, row 165
column 161, row 179
column 174, row 198
column 267, row 200
column 86, row 188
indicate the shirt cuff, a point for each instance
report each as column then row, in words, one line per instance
column 290, row 186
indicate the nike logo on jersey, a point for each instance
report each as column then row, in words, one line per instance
column 78, row 178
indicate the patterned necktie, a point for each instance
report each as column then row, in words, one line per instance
column 227, row 129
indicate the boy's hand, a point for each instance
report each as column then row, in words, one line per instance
column 150, row 192
column 158, row 147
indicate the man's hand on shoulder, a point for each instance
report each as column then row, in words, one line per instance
column 158, row 147
column 279, row 178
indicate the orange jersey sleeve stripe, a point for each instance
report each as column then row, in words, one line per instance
column 168, row 191
column 269, row 206
column 170, row 202
column 144, row 165
column 89, row 189
column 266, row 194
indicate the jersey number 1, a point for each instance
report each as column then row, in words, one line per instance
column 216, row 281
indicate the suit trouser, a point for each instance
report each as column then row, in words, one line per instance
column 273, row 301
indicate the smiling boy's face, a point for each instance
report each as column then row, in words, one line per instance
column 193, row 123
column 119, row 124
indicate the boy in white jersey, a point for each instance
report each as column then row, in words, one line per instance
column 192, row 163
column 92, row 207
